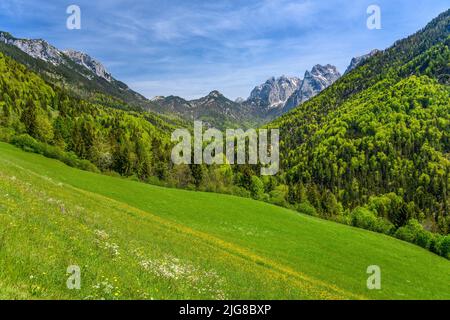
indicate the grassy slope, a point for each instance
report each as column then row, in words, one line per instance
column 152, row 242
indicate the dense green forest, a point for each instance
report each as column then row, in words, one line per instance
column 105, row 136
column 112, row 140
column 372, row 151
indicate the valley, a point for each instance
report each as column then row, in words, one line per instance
column 151, row 242
column 148, row 201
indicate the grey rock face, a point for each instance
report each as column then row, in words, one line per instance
column 215, row 110
column 274, row 92
column 315, row 81
column 268, row 100
column 86, row 61
column 39, row 49
column 357, row 61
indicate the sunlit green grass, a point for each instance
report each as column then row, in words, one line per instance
column 133, row 240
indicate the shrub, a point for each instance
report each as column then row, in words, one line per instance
column 23, row 140
column 384, row 226
column 409, row 232
column 331, row 206
column 445, row 247
column 413, row 232
column 257, row 188
column 363, row 218
column 28, row 143
column 424, row 238
column 240, row 192
column 307, row 208
column 6, row 134
column 435, row 244
column 278, row 196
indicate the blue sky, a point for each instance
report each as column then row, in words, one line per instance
column 191, row 47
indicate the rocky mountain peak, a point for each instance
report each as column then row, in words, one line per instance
column 41, row 49
column 215, row 94
column 36, row 48
column 158, row 98
column 274, row 92
column 5, row 36
column 357, row 61
column 88, row 62
column 326, row 70
column 315, row 81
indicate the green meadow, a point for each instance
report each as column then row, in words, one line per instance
column 137, row 241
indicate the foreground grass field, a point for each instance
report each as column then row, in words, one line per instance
column 133, row 240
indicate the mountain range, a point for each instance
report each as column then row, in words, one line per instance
column 314, row 82
column 41, row 49
column 215, row 110
column 379, row 137
column 75, row 69
column 273, row 98
column 372, row 150
column 274, row 93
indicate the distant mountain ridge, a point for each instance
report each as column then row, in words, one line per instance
column 274, row 92
column 214, row 109
column 75, row 71
column 89, row 63
column 37, row 48
column 41, row 49
column 267, row 101
column 272, row 98
column 357, row 61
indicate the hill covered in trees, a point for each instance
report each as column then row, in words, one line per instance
column 372, row 150
column 103, row 134
column 137, row 241
column 37, row 116
column 378, row 141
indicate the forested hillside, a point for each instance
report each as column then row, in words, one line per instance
column 113, row 140
column 379, row 138
column 40, row 117
column 138, row 241
column 372, row 150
